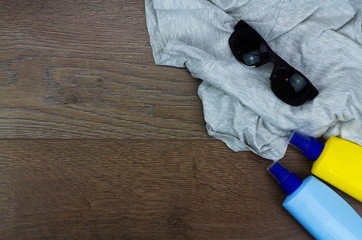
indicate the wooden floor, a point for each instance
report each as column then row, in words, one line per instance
column 97, row 142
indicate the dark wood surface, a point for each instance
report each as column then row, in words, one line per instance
column 97, row 142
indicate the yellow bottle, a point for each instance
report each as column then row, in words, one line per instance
column 338, row 162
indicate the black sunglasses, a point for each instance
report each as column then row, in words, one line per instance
column 288, row 84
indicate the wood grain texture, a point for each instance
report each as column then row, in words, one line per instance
column 142, row 189
column 97, row 142
column 84, row 69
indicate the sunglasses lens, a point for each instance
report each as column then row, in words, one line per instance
column 255, row 57
column 247, row 46
column 289, row 79
column 291, row 87
column 251, row 58
column 297, row 82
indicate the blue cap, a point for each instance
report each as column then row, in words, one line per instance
column 311, row 147
column 288, row 181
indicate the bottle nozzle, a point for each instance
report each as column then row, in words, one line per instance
column 311, row 147
column 288, row 181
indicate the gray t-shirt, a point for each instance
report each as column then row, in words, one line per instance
column 321, row 39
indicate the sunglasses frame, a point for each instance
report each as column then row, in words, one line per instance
column 310, row 92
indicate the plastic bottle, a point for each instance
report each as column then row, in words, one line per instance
column 338, row 162
column 321, row 211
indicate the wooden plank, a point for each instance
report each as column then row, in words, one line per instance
column 84, row 69
column 142, row 189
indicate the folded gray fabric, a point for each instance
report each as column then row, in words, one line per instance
column 321, row 39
